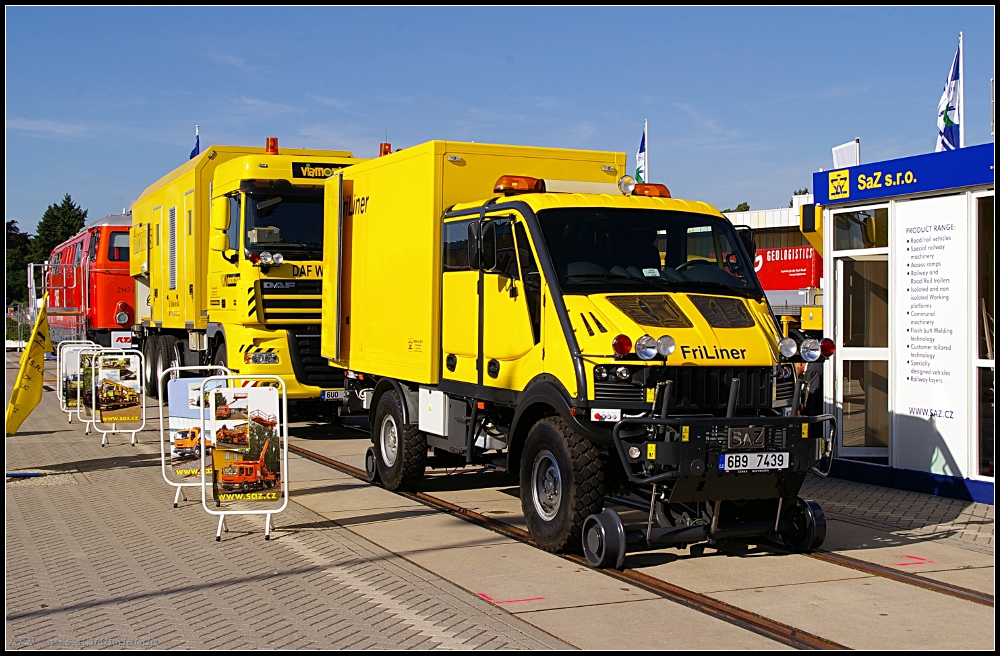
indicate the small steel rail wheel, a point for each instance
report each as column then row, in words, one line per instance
column 604, row 539
column 804, row 528
column 400, row 450
column 371, row 471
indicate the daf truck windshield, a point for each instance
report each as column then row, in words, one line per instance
column 287, row 223
column 598, row 250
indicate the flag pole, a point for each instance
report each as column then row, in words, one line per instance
column 961, row 92
column 645, row 135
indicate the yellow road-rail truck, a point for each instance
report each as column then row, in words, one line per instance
column 536, row 308
column 226, row 251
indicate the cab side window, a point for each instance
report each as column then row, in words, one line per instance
column 532, row 280
column 118, row 247
column 234, row 224
column 456, row 246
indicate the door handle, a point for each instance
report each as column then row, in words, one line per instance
column 513, row 289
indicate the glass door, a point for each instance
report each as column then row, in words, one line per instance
column 861, row 386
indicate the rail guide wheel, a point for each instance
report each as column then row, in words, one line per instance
column 604, row 539
column 805, row 527
column 371, row 470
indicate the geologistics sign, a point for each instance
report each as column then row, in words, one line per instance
column 964, row 167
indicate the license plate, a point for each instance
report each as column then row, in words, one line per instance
column 753, row 461
column 746, row 438
column 333, row 395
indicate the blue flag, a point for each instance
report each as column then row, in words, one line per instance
column 197, row 146
column 949, row 110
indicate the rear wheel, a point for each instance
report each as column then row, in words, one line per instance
column 400, row 450
column 149, row 365
column 166, row 357
column 562, row 483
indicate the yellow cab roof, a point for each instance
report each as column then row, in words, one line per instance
column 546, row 201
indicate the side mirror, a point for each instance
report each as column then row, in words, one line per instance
column 748, row 239
column 474, row 234
column 482, row 245
column 219, row 242
column 220, row 213
column 488, row 250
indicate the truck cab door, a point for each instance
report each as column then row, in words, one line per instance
column 459, row 306
column 511, row 309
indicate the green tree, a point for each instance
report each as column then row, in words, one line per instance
column 59, row 223
column 742, row 207
column 797, row 192
column 18, row 244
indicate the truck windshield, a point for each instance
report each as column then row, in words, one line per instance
column 596, row 250
column 288, row 223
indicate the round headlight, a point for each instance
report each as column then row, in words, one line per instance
column 266, row 257
column 623, row 373
column 600, row 373
column 666, row 345
column 788, row 347
column 645, row 347
column 627, row 184
column 634, row 452
column 810, row 350
column 122, row 317
column 278, row 258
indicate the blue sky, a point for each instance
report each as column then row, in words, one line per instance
column 743, row 104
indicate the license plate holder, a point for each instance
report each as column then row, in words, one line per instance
column 753, row 461
column 746, row 438
column 333, row 395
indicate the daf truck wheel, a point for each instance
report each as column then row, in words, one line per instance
column 166, row 358
column 149, row 366
column 604, row 539
column 400, row 450
column 807, row 526
column 562, row 483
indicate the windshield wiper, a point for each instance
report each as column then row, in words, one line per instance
column 696, row 285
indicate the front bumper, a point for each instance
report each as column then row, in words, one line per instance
column 685, row 455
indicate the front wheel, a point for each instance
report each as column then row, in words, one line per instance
column 400, row 450
column 562, row 483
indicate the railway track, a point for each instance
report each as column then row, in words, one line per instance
column 759, row 624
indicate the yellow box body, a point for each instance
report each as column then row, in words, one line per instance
column 390, row 312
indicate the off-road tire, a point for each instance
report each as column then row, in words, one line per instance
column 410, row 459
column 581, row 474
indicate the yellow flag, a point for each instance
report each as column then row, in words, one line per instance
column 28, row 386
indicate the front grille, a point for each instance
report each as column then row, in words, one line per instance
column 309, row 365
column 618, row 392
column 694, row 389
column 290, row 301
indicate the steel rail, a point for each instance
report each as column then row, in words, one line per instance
column 759, row 624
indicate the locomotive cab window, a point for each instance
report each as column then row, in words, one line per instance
column 118, row 247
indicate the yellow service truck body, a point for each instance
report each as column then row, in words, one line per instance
column 535, row 308
column 226, row 251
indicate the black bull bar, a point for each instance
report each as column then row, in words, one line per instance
column 721, row 422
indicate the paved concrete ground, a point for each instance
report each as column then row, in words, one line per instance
column 96, row 557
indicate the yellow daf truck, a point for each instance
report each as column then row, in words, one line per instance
column 226, row 252
column 537, row 309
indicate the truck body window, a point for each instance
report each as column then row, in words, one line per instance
column 506, row 254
